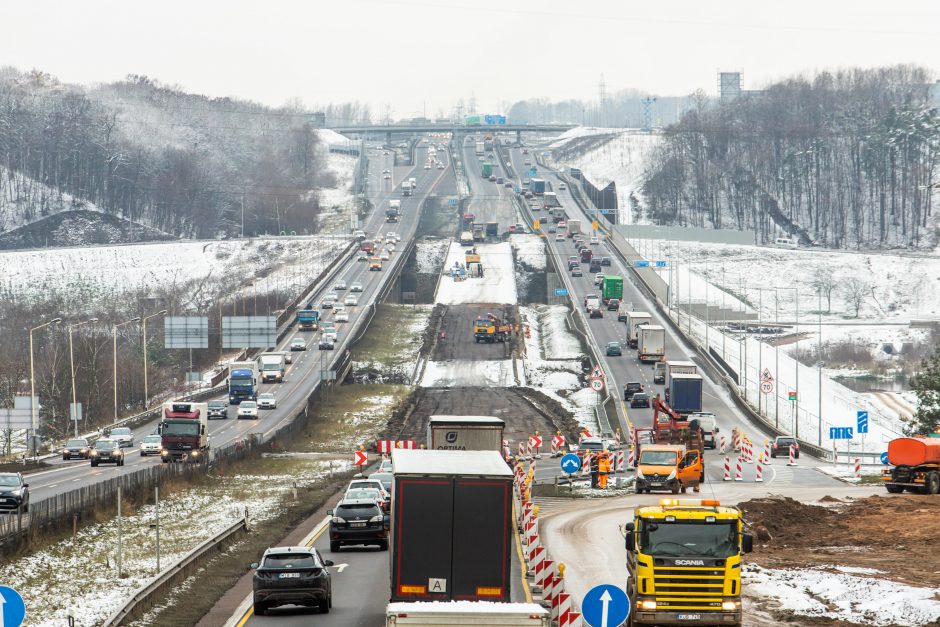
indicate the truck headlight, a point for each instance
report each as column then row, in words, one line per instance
column 647, row 605
column 639, row 473
column 730, row 606
column 672, row 475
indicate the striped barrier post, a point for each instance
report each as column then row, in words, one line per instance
column 858, row 468
column 564, row 609
column 538, row 572
column 736, row 441
column 554, row 449
column 543, row 578
column 536, row 553
column 767, row 451
column 759, row 470
column 521, row 449
column 748, row 450
column 631, row 458
column 586, row 464
column 528, row 448
column 722, row 445
column 574, row 620
column 792, row 459
column 739, row 469
column 727, row 469
column 548, row 587
column 621, row 464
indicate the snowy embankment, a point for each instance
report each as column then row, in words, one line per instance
column 465, row 373
column 496, row 286
column 623, row 159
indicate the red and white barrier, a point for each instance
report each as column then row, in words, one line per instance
column 543, row 576
column 722, row 445
column 521, row 449
column 747, row 447
column 739, row 469
column 562, row 609
column 548, row 586
column 759, row 470
column 736, row 441
column 792, row 460
column 631, row 458
column 767, row 451
column 386, row 446
column 528, row 448
column 617, row 437
column 621, row 462
column 586, row 464
column 858, row 468
column 554, row 449
column 727, row 469
column 536, row 553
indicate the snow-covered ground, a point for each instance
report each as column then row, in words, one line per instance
column 497, row 285
column 80, row 578
column 463, row 373
column 530, row 251
column 843, row 594
column 623, row 160
column 91, row 275
column 430, row 253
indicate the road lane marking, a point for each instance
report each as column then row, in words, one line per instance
column 525, row 583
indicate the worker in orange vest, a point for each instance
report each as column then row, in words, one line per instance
column 603, row 469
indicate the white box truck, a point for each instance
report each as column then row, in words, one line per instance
column 651, row 343
column 465, row 433
column 272, row 367
column 635, row 319
column 573, row 227
column 679, row 367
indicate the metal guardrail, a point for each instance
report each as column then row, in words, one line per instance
column 144, row 594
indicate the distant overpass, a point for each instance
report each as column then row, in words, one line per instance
column 412, row 129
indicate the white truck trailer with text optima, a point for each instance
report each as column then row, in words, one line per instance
column 465, row 433
column 651, row 343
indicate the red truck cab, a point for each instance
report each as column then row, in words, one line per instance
column 586, row 255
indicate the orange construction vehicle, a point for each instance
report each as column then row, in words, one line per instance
column 490, row 328
column 674, row 460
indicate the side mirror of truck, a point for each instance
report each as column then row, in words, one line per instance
column 628, row 541
column 253, row 565
column 329, row 512
column 747, row 543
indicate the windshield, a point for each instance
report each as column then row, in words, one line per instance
column 216, row 404
column 363, row 494
column 9, row 480
column 152, row 439
column 290, row 560
column 104, row 445
column 121, row 431
column 659, row 458
column 359, row 485
column 241, row 382
column 276, row 366
column 249, row 405
column 357, row 511
column 77, row 443
column 683, row 539
column 189, row 427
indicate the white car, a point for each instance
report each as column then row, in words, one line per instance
column 298, row 344
column 150, row 445
column 385, row 256
column 328, row 329
column 394, row 235
column 340, row 285
column 267, row 401
column 559, row 237
column 594, row 240
column 385, row 171
column 427, row 166
column 338, row 307
column 123, row 436
column 390, row 248
column 248, row 409
column 341, row 316
column 351, row 301
column 326, row 303
column 355, row 287
column 598, row 278
column 387, row 177
column 440, row 166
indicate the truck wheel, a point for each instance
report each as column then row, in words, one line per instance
column 894, row 489
column 675, row 490
column 260, row 609
column 933, row 483
column 334, row 547
column 94, row 464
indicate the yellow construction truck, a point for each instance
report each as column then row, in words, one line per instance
column 684, row 559
column 490, row 328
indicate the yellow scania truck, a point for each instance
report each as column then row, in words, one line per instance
column 684, row 559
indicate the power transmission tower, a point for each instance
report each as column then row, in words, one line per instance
column 648, row 113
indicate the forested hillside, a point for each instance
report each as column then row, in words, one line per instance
column 184, row 164
column 845, row 159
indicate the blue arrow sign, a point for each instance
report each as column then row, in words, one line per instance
column 641, row 263
column 570, row 463
column 840, row 433
column 451, row 201
column 884, row 458
column 659, row 264
column 561, row 291
column 862, row 421
column 605, row 606
column 12, row 607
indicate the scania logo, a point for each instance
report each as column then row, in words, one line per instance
column 690, row 562
column 451, row 437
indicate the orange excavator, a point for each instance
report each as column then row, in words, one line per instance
column 491, row 328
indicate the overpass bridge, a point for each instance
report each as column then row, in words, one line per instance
column 412, row 129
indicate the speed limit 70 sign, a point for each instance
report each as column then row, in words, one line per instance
column 767, row 387
column 597, row 384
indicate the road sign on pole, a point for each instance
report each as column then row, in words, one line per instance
column 862, row 421
column 766, row 376
column 791, row 395
column 12, row 607
column 840, row 433
column 884, row 458
column 605, row 606
column 641, row 263
column 766, row 387
column 561, row 291
column 570, row 463
column 360, row 458
column 597, row 384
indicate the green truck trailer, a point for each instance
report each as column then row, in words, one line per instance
column 612, row 287
column 487, row 170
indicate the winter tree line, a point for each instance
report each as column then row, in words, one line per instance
column 187, row 164
column 846, row 159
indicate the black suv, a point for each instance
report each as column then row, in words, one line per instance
column 781, row 446
column 640, row 399
column 630, row 389
column 292, row 575
column 106, row 452
column 76, row 447
column 357, row 522
column 217, row 409
column 14, row 493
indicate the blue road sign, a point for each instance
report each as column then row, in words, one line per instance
column 451, row 201
column 659, row 264
column 605, row 606
column 12, row 607
column 570, row 463
column 884, row 457
column 840, row 433
column 862, row 421
column 561, row 291
column 641, row 263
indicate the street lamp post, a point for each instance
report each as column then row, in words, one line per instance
column 72, row 369
column 146, row 389
column 34, row 417
column 114, row 347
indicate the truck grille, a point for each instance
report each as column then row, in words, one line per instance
column 682, row 588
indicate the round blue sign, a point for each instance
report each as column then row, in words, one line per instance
column 12, row 606
column 605, row 606
column 884, row 458
column 570, row 463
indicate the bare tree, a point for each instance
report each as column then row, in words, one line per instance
column 824, row 281
column 855, row 290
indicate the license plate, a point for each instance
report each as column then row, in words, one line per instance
column 688, row 617
column 355, row 524
column 656, row 485
column 289, row 575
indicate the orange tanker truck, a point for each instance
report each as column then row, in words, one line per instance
column 915, row 465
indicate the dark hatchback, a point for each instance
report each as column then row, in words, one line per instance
column 640, row 399
column 106, row 452
column 292, row 575
column 76, row 447
column 359, row 522
column 631, row 388
column 14, row 492
column 217, row 409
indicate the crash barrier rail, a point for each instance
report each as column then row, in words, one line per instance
column 143, row 598
column 76, row 504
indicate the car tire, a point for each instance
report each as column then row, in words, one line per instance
column 383, row 546
column 324, row 607
column 65, row 458
column 334, row 546
column 26, row 507
column 259, row 609
column 330, row 599
column 142, row 454
column 121, row 463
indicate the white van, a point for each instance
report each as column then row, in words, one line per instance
column 709, row 427
column 783, row 242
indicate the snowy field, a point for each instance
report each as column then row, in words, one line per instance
column 91, row 275
column 622, row 160
column 430, row 254
column 462, row 373
column 497, row 286
column 530, row 251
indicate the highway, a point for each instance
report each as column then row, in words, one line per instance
column 305, row 370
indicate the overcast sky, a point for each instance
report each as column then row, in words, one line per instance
column 423, row 55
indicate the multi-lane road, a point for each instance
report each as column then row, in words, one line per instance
column 304, row 373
